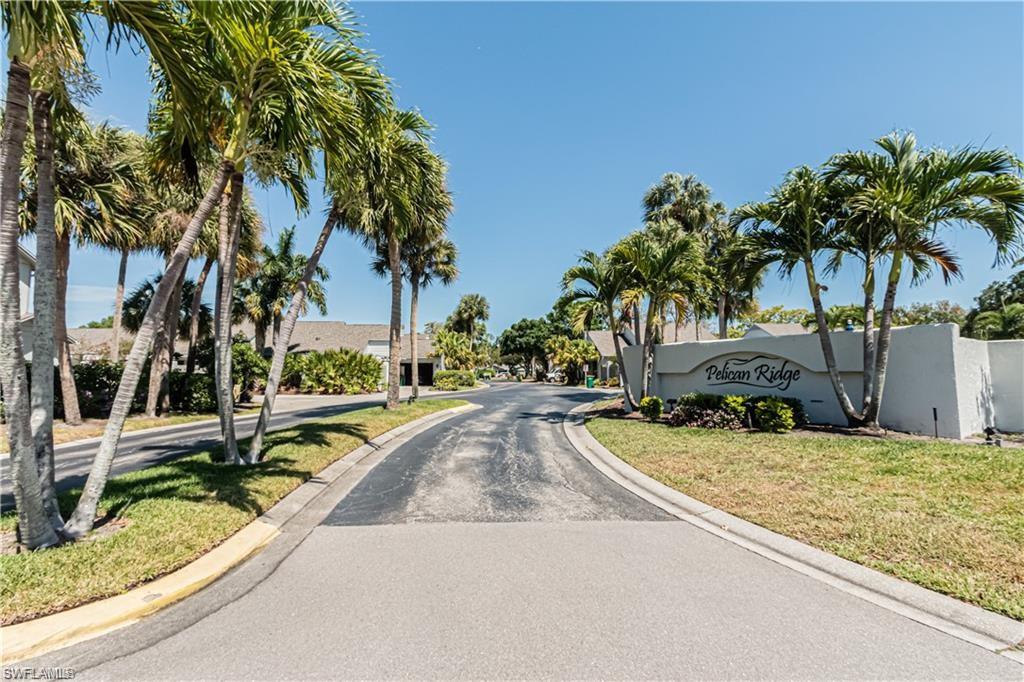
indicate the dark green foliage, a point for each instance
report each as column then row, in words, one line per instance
column 193, row 393
column 742, row 407
column 796, row 407
column 651, row 407
column 704, row 418
column 248, row 370
column 773, row 415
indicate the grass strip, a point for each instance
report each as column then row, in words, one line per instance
column 946, row 516
column 175, row 512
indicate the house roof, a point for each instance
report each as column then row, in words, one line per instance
column 27, row 255
column 321, row 335
column 779, row 328
column 96, row 341
column 604, row 341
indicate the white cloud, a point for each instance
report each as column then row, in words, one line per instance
column 83, row 293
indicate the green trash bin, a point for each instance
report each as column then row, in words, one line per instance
column 590, row 382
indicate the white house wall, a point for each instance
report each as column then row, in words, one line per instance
column 1006, row 359
column 930, row 367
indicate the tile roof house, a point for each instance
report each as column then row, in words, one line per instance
column 762, row 329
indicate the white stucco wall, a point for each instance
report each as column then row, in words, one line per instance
column 930, row 367
column 1006, row 359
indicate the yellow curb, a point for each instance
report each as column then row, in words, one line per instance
column 38, row 636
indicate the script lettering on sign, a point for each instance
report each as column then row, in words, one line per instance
column 760, row 371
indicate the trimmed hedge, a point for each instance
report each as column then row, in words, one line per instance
column 652, row 407
column 453, row 379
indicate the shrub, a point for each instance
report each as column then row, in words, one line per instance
column 486, row 373
column 794, row 404
column 706, row 401
column 339, row 371
column 773, row 415
column 651, row 407
column 704, row 418
column 193, row 392
column 248, row 370
column 736, row 405
column 291, row 373
column 613, row 382
column 453, row 379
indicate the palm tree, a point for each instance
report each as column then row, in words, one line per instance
column 605, row 282
column 266, row 293
column 1005, row 323
column 472, row 308
column 683, row 205
column 427, row 255
column 666, row 274
column 380, row 201
column 791, row 229
column 908, row 196
column 728, row 270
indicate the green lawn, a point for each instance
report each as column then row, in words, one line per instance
column 177, row 511
column 946, row 516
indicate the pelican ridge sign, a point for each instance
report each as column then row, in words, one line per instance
column 760, row 371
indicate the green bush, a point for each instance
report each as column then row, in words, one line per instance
column 485, row 374
column 291, row 374
column 453, row 379
column 773, row 415
column 193, row 393
column 248, row 371
column 651, row 407
column 704, row 418
column 339, row 371
column 794, row 404
column 736, row 405
column 703, row 401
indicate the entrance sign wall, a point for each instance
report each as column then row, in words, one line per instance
column 969, row 384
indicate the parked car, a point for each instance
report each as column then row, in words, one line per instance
column 555, row 377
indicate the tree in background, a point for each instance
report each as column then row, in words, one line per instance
column 469, row 316
column 572, row 355
column 455, row 349
column 939, row 312
column 265, row 294
column 994, row 297
column 837, row 317
column 524, row 343
column 597, row 284
column 1006, row 322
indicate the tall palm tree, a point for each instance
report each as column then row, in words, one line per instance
column 791, row 229
column 427, row 255
column 909, row 196
column 683, row 205
column 379, row 202
column 428, row 259
column 603, row 282
column 667, row 274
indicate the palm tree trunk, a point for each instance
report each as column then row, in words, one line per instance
column 623, row 379
column 276, row 328
column 34, row 529
column 172, row 321
column 636, row 323
column 85, row 512
column 156, row 361
column 868, row 371
column 884, row 340
column 44, row 308
column 723, row 318
column 285, row 337
column 647, row 345
column 260, row 339
column 395, row 335
column 69, row 392
column 414, row 301
column 115, row 341
column 197, row 303
column 230, row 222
column 852, row 415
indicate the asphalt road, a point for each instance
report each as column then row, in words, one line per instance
column 486, row 547
column 141, row 449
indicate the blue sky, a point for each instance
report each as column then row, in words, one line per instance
column 556, row 117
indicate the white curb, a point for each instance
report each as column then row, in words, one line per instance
column 967, row 622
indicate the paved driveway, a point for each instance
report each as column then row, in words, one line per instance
column 487, row 548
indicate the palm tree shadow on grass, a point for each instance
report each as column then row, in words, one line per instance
column 202, row 478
